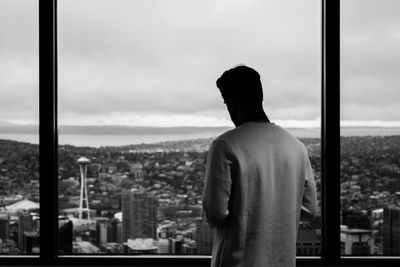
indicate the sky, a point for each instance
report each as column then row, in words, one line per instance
column 370, row 61
column 155, row 62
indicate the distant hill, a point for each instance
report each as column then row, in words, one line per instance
column 135, row 130
column 110, row 130
column 5, row 123
column 9, row 128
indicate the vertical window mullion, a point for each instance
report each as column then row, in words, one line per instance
column 330, row 134
column 48, row 130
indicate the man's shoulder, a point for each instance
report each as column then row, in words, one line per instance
column 232, row 136
column 250, row 128
column 227, row 135
column 251, row 131
column 224, row 139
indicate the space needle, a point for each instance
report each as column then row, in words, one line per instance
column 84, row 200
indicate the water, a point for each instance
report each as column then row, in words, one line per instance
column 119, row 140
column 108, row 140
column 29, row 138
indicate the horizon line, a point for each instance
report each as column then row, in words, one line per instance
column 199, row 126
column 312, row 124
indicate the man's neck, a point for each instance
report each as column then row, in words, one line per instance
column 254, row 116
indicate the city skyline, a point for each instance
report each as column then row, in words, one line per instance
column 172, row 174
column 137, row 97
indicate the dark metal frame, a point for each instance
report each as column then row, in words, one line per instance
column 330, row 156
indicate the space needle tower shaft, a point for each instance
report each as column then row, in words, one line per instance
column 83, row 200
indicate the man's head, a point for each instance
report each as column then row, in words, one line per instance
column 241, row 90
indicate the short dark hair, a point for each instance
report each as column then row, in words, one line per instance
column 241, row 84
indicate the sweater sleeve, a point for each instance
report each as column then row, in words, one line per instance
column 217, row 188
column 309, row 203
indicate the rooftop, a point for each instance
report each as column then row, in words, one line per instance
column 24, row 204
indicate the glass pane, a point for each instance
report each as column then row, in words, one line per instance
column 370, row 127
column 139, row 107
column 19, row 131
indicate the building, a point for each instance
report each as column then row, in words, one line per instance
column 13, row 229
column 377, row 214
column 139, row 214
column 31, row 242
column 22, row 205
column 4, row 229
column 141, row 246
column 108, row 231
column 84, row 247
column 25, row 224
column 189, row 247
column 176, row 246
column 357, row 242
column 204, row 237
column 112, row 248
column 115, row 233
column 65, row 238
column 308, row 243
column 163, row 246
column 391, row 230
column 102, row 232
column 356, row 219
column 137, row 171
column 74, row 212
column 167, row 229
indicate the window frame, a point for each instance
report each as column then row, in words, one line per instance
column 330, row 160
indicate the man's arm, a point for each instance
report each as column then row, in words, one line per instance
column 309, row 203
column 217, row 188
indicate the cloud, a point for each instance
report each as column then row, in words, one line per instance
column 164, row 56
column 19, row 62
column 370, row 60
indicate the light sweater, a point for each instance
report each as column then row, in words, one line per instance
column 258, row 177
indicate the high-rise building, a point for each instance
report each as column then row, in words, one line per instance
column 4, row 229
column 102, row 230
column 115, row 233
column 31, row 241
column 25, row 224
column 391, row 230
column 65, row 238
column 139, row 214
column 13, row 227
column 204, row 237
column 176, row 246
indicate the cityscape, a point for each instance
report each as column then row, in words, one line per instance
column 146, row 198
column 154, row 63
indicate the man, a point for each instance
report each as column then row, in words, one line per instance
column 258, row 181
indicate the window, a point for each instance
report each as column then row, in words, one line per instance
column 330, row 159
column 137, row 99
column 19, row 134
column 370, row 126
